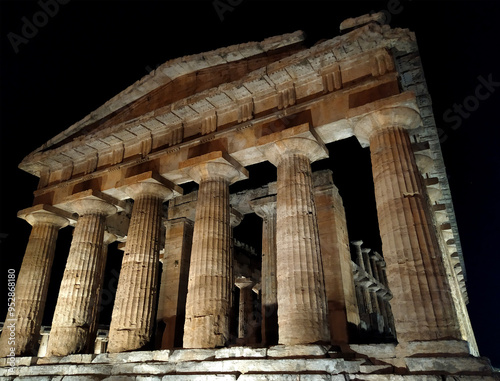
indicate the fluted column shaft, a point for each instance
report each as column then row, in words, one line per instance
column 266, row 209
column 132, row 319
column 173, row 289
column 245, row 306
column 209, row 285
column 207, row 307
column 107, row 240
column 302, row 301
column 75, row 311
column 302, row 313
column 364, row 290
column 32, row 283
column 343, row 313
column 422, row 305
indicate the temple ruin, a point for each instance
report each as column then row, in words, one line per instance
column 155, row 169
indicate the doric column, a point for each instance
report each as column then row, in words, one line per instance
column 75, row 311
column 376, row 261
column 422, row 305
column 209, row 287
column 108, row 239
column 174, row 280
column 302, row 303
column 363, row 292
column 33, row 280
column 375, row 318
column 235, row 219
column 343, row 314
column 245, row 306
column 132, row 319
column 266, row 209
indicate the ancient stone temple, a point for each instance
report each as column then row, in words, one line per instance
column 157, row 168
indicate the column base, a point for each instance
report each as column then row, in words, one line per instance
column 444, row 348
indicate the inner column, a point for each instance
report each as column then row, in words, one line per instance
column 266, row 209
column 302, row 303
column 209, row 286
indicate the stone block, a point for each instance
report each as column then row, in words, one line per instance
column 494, row 377
column 449, row 365
column 194, row 377
column 161, row 355
column 77, row 359
column 102, row 358
column 393, row 377
column 132, row 357
column 321, row 377
column 332, row 366
column 379, row 351
column 48, row 360
column 289, row 377
column 143, row 369
column 297, row 351
column 376, row 369
column 80, row 378
column 437, row 347
column 191, row 355
column 25, row 361
column 225, row 353
column 267, row 377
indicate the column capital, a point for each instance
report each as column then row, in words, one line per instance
column 109, row 238
column 43, row 213
column 91, row 201
column 243, row 282
column 357, row 243
column 264, row 207
column 301, row 139
column 149, row 183
column 390, row 117
column 236, row 217
column 215, row 164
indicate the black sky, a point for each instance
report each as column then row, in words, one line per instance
column 88, row 51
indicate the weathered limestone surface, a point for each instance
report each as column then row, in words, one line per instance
column 209, row 287
column 266, row 208
column 246, row 102
column 33, row 281
column 302, row 304
column 339, row 282
column 133, row 312
column 245, row 306
column 422, row 305
column 173, row 289
column 75, row 311
column 304, row 362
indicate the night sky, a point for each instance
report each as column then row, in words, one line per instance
column 85, row 52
